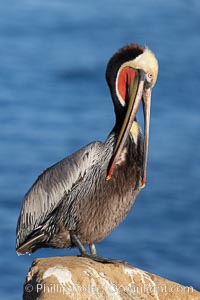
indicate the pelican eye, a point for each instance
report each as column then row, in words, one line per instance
column 148, row 80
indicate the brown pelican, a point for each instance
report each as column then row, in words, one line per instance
column 81, row 199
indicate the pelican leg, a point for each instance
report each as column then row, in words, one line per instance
column 92, row 256
column 77, row 243
column 93, row 249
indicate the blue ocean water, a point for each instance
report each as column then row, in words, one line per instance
column 54, row 100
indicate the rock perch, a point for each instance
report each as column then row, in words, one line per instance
column 82, row 278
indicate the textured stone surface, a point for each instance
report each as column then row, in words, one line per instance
column 81, row 278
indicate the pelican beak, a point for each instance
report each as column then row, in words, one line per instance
column 138, row 91
column 146, row 100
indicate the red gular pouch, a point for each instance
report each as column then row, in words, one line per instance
column 124, row 79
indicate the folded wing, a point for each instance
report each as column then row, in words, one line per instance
column 47, row 191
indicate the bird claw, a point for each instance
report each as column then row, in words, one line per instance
column 101, row 259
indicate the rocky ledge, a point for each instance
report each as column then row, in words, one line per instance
column 81, row 278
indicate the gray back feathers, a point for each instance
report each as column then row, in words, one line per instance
column 48, row 190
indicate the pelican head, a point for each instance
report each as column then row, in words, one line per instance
column 131, row 74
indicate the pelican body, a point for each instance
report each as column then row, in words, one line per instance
column 81, row 199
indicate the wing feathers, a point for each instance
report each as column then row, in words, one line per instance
column 47, row 191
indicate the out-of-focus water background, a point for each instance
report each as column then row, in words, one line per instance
column 54, row 99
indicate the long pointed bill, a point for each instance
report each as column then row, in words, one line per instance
column 135, row 96
column 146, row 100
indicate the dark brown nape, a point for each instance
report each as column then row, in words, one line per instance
column 128, row 52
